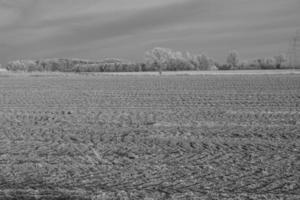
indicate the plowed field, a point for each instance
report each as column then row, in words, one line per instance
column 150, row 137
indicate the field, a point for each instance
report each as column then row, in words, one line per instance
column 234, row 136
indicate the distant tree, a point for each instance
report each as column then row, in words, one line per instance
column 233, row 59
column 244, row 64
column 267, row 63
column 212, row 64
column 137, row 67
column 159, row 57
column 270, row 62
column 143, row 67
column 279, row 60
column 22, row 65
column 180, row 61
column 204, row 62
column 192, row 59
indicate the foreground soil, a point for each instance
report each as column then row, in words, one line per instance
column 150, row 137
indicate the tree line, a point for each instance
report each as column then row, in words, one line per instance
column 157, row 59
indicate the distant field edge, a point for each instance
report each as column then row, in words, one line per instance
column 81, row 194
column 227, row 72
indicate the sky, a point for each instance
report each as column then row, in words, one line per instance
column 97, row 29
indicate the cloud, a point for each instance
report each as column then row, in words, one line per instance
column 126, row 28
column 70, row 32
column 89, row 27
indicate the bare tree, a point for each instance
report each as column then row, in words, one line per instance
column 233, row 59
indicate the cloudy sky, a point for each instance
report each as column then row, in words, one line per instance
column 96, row 29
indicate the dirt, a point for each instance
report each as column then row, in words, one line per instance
column 150, row 137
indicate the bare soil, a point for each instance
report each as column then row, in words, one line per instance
column 150, row 137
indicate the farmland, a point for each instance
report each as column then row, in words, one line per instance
column 150, row 137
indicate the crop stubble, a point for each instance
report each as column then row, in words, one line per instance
column 136, row 137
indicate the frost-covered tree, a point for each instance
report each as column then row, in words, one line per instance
column 280, row 60
column 270, row 62
column 244, row 64
column 167, row 59
column 233, row 59
column 192, row 59
column 158, row 57
column 180, row 61
column 22, row 65
column 267, row 63
column 212, row 64
column 204, row 62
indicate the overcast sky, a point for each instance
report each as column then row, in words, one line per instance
column 96, row 29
